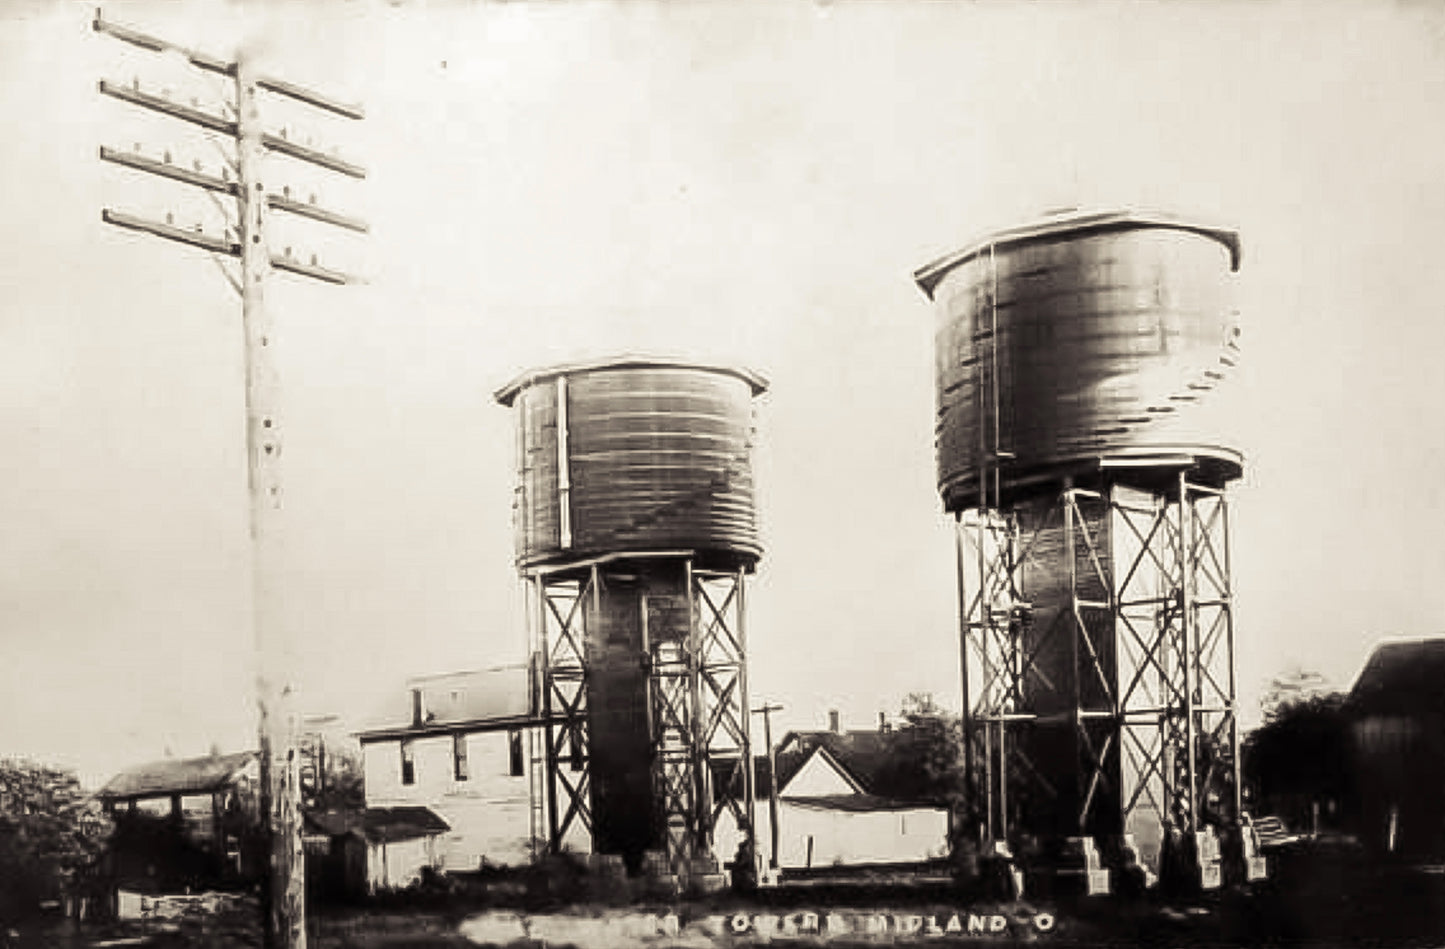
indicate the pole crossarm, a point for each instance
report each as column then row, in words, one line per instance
column 222, row 245
column 311, row 97
column 224, row 185
column 312, row 270
column 316, row 213
column 176, row 110
column 225, row 67
column 196, row 238
column 284, row 146
column 157, row 45
column 219, row 123
column 167, row 170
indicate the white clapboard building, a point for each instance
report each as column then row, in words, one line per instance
column 457, row 745
column 836, row 806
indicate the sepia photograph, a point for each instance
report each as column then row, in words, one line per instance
column 684, row 474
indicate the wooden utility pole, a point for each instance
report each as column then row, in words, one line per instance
column 283, row 898
column 767, row 713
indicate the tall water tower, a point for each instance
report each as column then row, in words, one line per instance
column 1083, row 452
column 635, row 535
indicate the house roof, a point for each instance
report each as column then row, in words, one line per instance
column 378, row 824
column 1402, row 678
column 177, row 776
column 479, row 700
column 861, row 756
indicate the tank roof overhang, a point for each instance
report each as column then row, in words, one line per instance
column 1153, row 467
column 756, row 382
column 929, row 276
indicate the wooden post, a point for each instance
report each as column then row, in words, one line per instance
column 767, row 712
column 218, row 833
column 283, row 897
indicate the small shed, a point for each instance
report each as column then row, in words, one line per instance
column 378, row 848
column 201, row 806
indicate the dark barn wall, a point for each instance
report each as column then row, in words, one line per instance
column 1400, row 766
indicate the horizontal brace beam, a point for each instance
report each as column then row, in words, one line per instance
column 308, row 210
column 1003, row 717
column 544, row 570
column 216, row 245
column 301, row 153
column 1178, row 710
column 165, row 170
column 1149, row 601
column 185, row 113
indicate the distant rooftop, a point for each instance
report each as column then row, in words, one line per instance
column 477, row 700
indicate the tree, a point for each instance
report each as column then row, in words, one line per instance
column 51, row 833
column 924, row 761
column 340, row 786
column 1301, row 754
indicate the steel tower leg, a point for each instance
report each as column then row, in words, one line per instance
column 558, row 614
column 994, row 662
column 725, row 740
column 698, row 715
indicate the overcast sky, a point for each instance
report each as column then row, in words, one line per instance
column 750, row 183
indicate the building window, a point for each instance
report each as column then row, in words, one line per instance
column 416, row 707
column 514, row 749
column 408, row 763
column 459, row 757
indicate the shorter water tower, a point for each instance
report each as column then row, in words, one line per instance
column 636, row 532
column 1084, row 452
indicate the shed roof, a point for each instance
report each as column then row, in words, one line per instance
column 379, row 824
column 177, row 776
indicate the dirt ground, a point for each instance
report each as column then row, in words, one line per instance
column 1313, row 901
